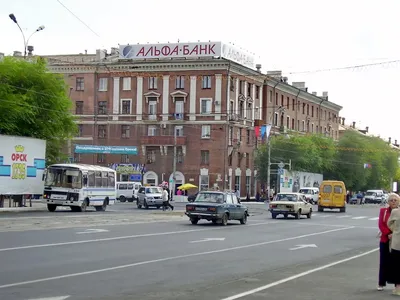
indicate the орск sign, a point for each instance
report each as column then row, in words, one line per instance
column 187, row 50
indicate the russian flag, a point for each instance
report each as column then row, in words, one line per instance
column 367, row 166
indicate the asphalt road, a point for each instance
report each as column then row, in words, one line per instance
column 176, row 260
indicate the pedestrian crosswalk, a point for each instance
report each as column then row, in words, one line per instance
column 369, row 218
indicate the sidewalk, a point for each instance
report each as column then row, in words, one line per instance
column 37, row 205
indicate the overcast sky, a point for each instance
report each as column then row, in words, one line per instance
column 291, row 35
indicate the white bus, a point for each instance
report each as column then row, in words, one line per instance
column 79, row 186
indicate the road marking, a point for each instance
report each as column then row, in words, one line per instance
column 92, row 231
column 325, row 216
column 208, row 240
column 358, row 218
column 341, row 217
column 179, row 257
column 52, row 298
column 373, row 219
column 126, row 237
column 303, row 246
column 279, row 282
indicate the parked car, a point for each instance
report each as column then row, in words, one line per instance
column 148, row 196
column 294, row 204
column 218, row 207
column 311, row 194
column 374, row 196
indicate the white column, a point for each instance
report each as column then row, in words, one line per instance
column 218, row 96
column 228, row 96
column 236, row 109
column 116, row 100
column 193, row 89
column 245, row 102
column 139, row 98
column 253, row 96
column 260, row 99
column 165, row 100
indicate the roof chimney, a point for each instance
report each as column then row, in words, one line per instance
column 390, row 140
column 324, row 94
column 354, row 125
column 17, row 53
column 343, row 119
column 258, row 67
column 366, row 129
column 275, row 74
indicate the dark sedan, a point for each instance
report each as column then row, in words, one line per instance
column 218, row 207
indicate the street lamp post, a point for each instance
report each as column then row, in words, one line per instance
column 26, row 41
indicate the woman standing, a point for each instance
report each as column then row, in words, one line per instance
column 394, row 246
column 384, row 245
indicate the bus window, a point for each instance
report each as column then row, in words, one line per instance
column 130, row 186
column 104, row 179
column 122, row 186
column 327, row 189
column 338, row 189
column 98, row 178
column 91, row 179
column 111, row 180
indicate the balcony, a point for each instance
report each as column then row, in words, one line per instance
column 164, row 140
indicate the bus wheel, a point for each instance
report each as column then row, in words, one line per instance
column 84, row 205
column 103, row 207
column 51, row 207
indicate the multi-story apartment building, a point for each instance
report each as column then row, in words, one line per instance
column 134, row 107
column 303, row 111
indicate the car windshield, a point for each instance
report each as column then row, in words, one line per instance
column 370, row 194
column 210, row 197
column 64, row 178
column 305, row 191
column 286, row 197
column 153, row 190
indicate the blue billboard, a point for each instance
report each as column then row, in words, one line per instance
column 95, row 149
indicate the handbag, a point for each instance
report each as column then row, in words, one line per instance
column 379, row 235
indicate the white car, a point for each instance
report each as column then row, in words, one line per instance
column 311, row 193
column 294, row 204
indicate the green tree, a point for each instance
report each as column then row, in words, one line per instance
column 34, row 103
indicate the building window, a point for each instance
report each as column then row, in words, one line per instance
column 257, row 92
column 303, row 126
column 239, row 134
column 292, row 124
column 248, row 185
column 79, row 107
column 204, row 182
column 179, row 130
column 249, row 88
column 241, row 109
column 153, row 83
column 80, row 84
column 312, row 128
column 205, row 131
column 124, row 158
column 240, row 86
column 312, row 111
column 237, row 184
column 179, row 108
column 293, row 104
column 102, row 131
column 276, row 99
column 152, row 109
column 180, row 82
column 288, row 122
column 152, row 130
column 206, row 106
column 206, row 82
column 125, row 131
column 232, row 84
column 230, row 136
column 101, row 158
column 205, row 157
column 248, row 136
column 80, row 130
column 103, row 84
column 151, row 156
column 230, row 160
column 102, row 108
column 276, row 119
column 304, row 108
column 126, row 106
column 127, row 83
column 249, row 111
column 77, row 157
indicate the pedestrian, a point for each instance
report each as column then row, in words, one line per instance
column 394, row 244
column 165, row 198
column 385, row 234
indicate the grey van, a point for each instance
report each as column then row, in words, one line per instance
column 148, row 196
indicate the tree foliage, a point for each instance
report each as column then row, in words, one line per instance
column 343, row 160
column 34, row 103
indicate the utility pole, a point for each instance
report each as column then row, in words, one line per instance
column 174, row 164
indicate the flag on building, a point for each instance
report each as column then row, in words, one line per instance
column 257, row 131
column 367, row 166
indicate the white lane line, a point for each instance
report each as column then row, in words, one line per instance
column 325, row 216
column 358, row 218
column 170, row 258
column 124, row 237
column 335, row 225
column 341, row 217
column 373, row 219
column 270, row 285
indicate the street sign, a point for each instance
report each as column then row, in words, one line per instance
column 281, row 165
column 280, row 171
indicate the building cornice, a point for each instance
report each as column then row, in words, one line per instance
column 287, row 88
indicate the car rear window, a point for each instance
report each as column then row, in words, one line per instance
column 327, row 189
column 338, row 189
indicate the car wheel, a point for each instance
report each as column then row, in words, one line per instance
column 122, row 199
column 138, row 204
column 297, row 215
column 145, row 205
column 243, row 220
column 309, row 214
column 343, row 209
column 158, row 206
column 320, row 209
column 273, row 216
column 224, row 220
column 194, row 221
